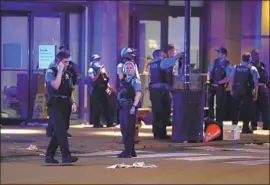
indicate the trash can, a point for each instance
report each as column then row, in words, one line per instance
column 188, row 115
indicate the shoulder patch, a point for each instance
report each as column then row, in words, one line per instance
column 49, row 71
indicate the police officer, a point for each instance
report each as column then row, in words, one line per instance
column 128, row 99
column 244, row 90
column 127, row 55
column 100, row 91
column 159, row 88
column 217, row 78
column 74, row 71
column 261, row 104
column 59, row 88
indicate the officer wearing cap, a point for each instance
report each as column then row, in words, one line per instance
column 217, row 79
column 100, row 90
column 261, row 104
column 244, row 90
column 159, row 88
column 59, row 88
column 127, row 55
column 128, row 99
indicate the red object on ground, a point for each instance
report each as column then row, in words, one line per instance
column 213, row 131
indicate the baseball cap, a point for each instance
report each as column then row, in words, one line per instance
column 222, row 50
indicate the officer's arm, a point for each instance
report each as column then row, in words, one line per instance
column 227, row 78
column 138, row 89
column 231, row 79
column 92, row 75
column 72, row 98
column 120, row 71
column 209, row 72
column 255, row 75
column 147, row 63
column 50, row 78
column 169, row 62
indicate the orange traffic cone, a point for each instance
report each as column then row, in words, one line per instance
column 213, row 131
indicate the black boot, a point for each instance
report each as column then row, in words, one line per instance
column 50, row 160
column 124, row 155
column 70, row 159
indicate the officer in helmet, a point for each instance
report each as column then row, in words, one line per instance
column 127, row 55
column 160, row 92
column 261, row 104
column 59, row 87
column 244, row 90
column 100, row 89
column 128, row 99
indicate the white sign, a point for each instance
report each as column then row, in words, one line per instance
column 46, row 55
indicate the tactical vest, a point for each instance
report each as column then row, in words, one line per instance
column 243, row 82
column 261, row 70
column 73, row 69
column 219, row 71
column 102, row 80
column 169, row 78
column 65, row 88
column 126, row 90
column 157, row 75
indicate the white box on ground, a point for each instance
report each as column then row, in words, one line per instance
column 231, row 133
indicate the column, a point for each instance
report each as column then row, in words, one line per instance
column 265, row 34
column 216, row 27
column 233, row 30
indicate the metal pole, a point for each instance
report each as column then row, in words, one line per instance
column 187, row 44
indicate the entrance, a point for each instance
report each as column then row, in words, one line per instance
column 30, row 39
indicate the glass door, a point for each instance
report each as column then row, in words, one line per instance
column 14, row 67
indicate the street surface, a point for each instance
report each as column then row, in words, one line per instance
column 215, row 163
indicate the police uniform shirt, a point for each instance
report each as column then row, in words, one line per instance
column 253, row 71
column 50, row 76
column 165, row 63
column 92, row 72
column 222, row 63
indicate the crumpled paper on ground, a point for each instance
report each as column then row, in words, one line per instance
column 32, row 147
column 134, row 165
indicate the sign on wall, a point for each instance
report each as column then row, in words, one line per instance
column 46, row 55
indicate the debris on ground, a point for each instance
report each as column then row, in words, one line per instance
column 134, row 165
column 32, row 147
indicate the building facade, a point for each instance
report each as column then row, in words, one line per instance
column 31, row 32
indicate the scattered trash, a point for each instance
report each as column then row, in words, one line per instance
column 213, row 131
column 251, row 144
column 32, row 147
column 42, row 154
column 134, row 165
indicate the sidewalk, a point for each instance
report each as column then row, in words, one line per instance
column 15, row 140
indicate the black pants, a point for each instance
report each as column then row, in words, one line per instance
column 261, row 105
column 161, row 109
column 59, row 113
column 127, row 124
column 228, row 105
column 99, row 103
column 221, row 102
column 243, row 103
column 49, row 128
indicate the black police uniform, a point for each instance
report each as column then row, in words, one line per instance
column 59, row 102
column 242, row 95
column 262, row 103
column 99, row 100
column 125, row 99
column 160, row 98
column 72, row 70
column 218, row 73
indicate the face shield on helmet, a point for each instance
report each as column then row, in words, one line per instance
column 128, row 53
column 95, row 57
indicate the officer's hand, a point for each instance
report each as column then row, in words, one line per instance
column 255, row 97
column 132, row 110
column 215, row 85
column 108, row 91
column 74, row 107
column 61, row 66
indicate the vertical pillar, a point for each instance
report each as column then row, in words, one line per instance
column 187, row 44
column 216, row 27
column 265, row 34
column 233, row 30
